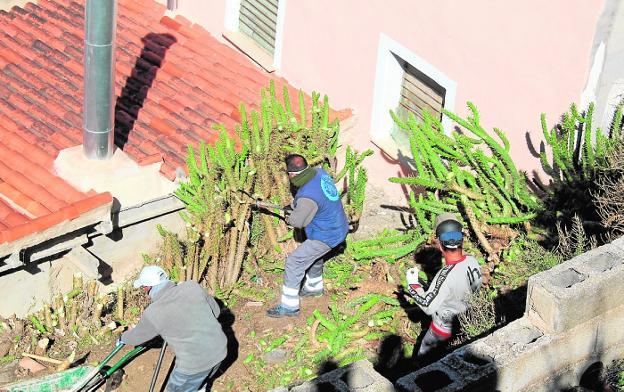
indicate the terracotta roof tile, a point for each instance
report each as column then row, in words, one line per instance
column 173, row 80
column 14, row 219
column 168, row 22
column 5, row 209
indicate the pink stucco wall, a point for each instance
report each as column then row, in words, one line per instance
column 208, row 13
column 514, row 60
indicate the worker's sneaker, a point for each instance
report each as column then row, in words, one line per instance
column 282, row 311
column 308, row 293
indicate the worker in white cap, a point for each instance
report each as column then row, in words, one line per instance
column 185, row 316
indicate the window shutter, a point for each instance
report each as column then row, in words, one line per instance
column 258, row 19
column 419, row 92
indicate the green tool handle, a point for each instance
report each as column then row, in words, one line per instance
column 93, row 373
column 131, row 354
column 112, row 354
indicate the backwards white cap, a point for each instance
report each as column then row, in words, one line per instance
column 150, row 276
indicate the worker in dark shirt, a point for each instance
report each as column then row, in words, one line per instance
column 316, row 208
column 185, row 316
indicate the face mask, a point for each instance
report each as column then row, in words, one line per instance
column 304, row 177
column 157, row 288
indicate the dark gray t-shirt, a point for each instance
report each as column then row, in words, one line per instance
column 185, row 316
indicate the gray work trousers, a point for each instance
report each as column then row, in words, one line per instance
column 431, row 342
column 308, row 257
column 182, row 382
column 306, row 260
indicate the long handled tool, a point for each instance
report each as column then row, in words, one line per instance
column 97, row 376
column 157, row 369
column 258, row 203
column 93, row 373
column 269, row 206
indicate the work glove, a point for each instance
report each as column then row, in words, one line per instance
column 413, row 282
column 119, row 343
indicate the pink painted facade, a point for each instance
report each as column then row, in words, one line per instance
column 514, row 60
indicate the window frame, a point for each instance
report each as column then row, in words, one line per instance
column 246, row 44
column 387, row 90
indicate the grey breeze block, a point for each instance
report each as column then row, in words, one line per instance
column 577, row 290
column 356, row 377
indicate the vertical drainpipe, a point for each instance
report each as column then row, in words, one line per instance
column 99, row 78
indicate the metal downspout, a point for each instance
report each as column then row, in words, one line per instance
column 99, row 78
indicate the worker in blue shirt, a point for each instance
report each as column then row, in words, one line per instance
column 317, row 209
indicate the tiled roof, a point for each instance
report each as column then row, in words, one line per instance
column 173, row 82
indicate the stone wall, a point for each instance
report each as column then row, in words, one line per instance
column 573, row 320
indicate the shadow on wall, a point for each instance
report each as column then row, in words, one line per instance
column 405, row 169
column 133, row 94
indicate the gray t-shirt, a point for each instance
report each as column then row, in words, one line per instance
column 447, row 294
column 303, row 212
column 185, row 316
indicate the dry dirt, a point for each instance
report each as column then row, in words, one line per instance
column 242, row 319
column 238, row 325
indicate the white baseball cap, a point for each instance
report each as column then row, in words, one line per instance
column 150, row 276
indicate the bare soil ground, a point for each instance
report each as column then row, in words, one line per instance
column 234, row 374
column 238, row 324
column 248, row 317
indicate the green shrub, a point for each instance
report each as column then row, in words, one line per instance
column 524, row 257
column 479, row 318
column 225, row 179
column 470, row 173
column 578, row 154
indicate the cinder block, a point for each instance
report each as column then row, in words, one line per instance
column 435, row 377
column 318, row 385
column 358, row 376
column 525, row 358
column 507, row 356
column 477, row 372
column 608, row 330
column 577, row 290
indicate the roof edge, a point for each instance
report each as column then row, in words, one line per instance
column 83, row 213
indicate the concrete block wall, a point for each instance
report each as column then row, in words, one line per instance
column 578, row 290
column 358, row 376
column 574, row 318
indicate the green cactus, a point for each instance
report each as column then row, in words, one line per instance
column 223, row 177
column 577, row 149
column 573, row 156
column 469, row 170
